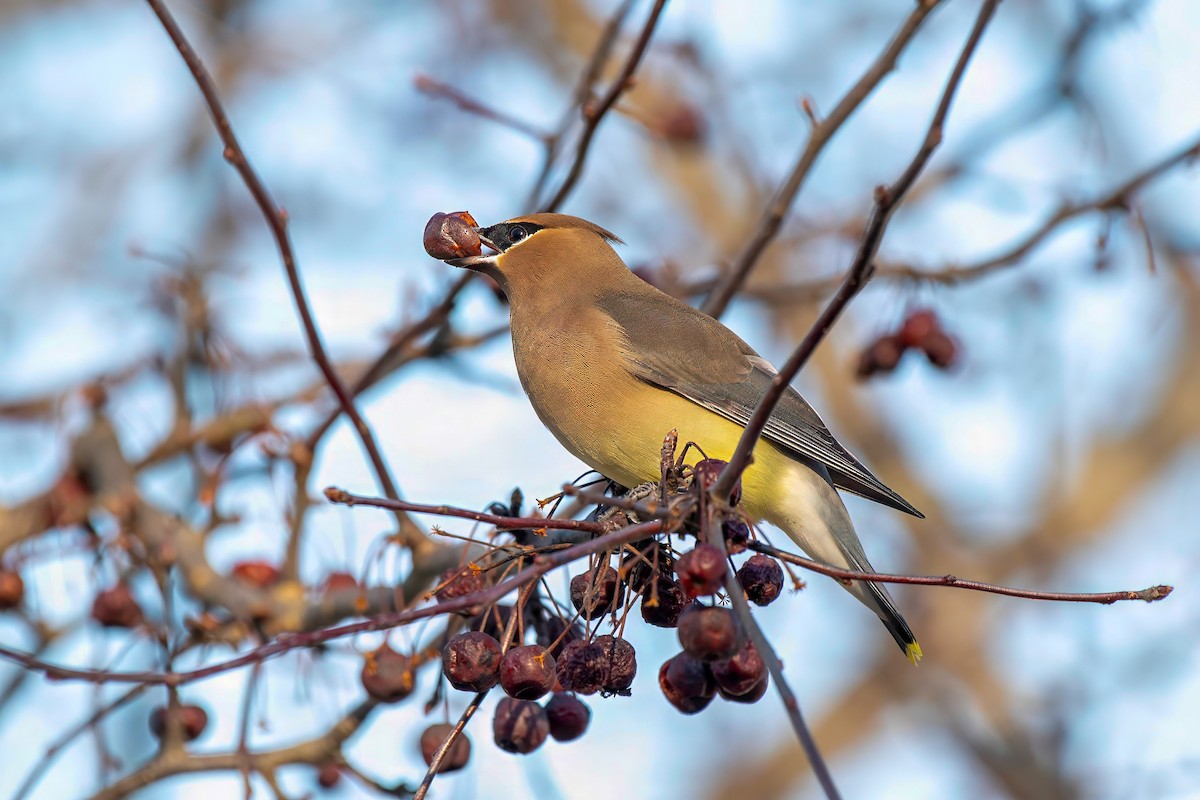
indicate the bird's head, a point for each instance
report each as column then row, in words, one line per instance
column 552, row 252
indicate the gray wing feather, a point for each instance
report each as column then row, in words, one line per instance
column 665, row 338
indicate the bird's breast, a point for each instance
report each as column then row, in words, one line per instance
column 572, row 369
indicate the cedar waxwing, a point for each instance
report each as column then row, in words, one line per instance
column 611, row 364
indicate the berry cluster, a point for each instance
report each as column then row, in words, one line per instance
column 545, row 653
column 922, row 331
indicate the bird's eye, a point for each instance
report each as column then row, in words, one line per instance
column 517, row 233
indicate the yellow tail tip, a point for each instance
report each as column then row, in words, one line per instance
column 913, row 651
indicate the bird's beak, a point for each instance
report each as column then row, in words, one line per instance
column 475, row 262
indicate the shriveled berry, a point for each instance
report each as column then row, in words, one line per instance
column 595, row 591
column 338, row 582
column 709, row 632
column 706, row 472
column 882, row 355
column 622, row 664
column 471, row 661
column 329, row 776
column 458, row 582
column 387, row 675
column 569, row 716
column 941, row 349
column 527, row 672
column 753, row 696
column 662, row 603
column 701, row 570
column 12, row 589
column 740, row 673
column 686, row 683
column 583, row 667
column 682, row 124
column 761, row 578
column 918, row 326
column 192, row 720
column 456, row 757
column 116, row 608
column 520, row 726
column 452, row 236
column 737, row 534
column 259, row 574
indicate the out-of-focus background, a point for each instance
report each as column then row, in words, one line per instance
column 139, row 285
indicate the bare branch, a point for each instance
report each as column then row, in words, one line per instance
column 276, row 219
column 593, row 115
column 773, row 215
column 887, row 199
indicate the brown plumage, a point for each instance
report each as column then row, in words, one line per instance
column 611, row 364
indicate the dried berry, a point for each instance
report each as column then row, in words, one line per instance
column 471, row 661
column 701, row 570
column 192, row 720
column 662, row 603
column 456, row 757
column 458, row 582
column 761, row 578
column 527, row 672
column 736, row 533
column 520, row 726
column 329, row 775
column 709, row 632
column 882, row 355
column 741, row 673
column 12, row 589
column 682, row 124
column 917, row 327
column 452, row 236
column 622, row 664
column 259, row 574
column 583, row 667
column 941, row 349
column 116, row 608
column 569, row 716
column 387, row 675
column 686, row 683
column 706, row 472
column 338, row 582
column 595, row 591
column 753, row 696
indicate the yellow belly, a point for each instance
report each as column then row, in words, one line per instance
column 626, row 446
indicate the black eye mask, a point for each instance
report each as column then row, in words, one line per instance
column 507, row 234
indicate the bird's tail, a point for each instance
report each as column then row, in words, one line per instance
column 823, row 530
column 890, row 616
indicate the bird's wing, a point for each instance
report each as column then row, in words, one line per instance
column 678, row 348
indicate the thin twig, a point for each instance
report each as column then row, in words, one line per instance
column 291, row 641
column 887, row 199
column 583, row 89
column 434, row 88
column 593, row 115
column 276, row 219
column 1116, row 198
column 435, row 763
column 820, row 135
column 341, row 497
column 716, row 537
column 1149, row 595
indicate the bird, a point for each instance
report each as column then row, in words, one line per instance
column 611, row 364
